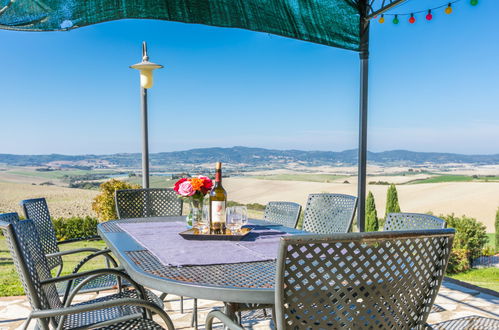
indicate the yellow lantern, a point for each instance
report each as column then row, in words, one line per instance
column 146, row 68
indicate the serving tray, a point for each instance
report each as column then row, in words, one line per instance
column 195, row 234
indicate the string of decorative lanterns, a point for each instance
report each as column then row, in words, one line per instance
column 429, row 15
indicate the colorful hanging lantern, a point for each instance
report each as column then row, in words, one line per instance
column 429, row 16
column 381, row 19
column 474, row 2
column 395, row 19
column 448, row 10
column 412, row 20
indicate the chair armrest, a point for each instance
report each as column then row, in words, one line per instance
column 90, row 275
column 106, row 253
column 216, row 314
column 88, row 238
column 73, row 251
column 102, row 305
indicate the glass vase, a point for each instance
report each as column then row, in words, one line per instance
column 195, row 213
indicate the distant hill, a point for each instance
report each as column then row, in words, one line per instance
column 249, row 156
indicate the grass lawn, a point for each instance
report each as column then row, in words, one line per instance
column 484, row 277
column 301, row 177
column 155, row 181
column 10, row 285
column 454, row 178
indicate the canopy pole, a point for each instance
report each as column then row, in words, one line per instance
column 364, row 75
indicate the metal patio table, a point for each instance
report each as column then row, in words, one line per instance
column 233, row 284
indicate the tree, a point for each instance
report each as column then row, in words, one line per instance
column 392, row 200
column 497, row 230
column 371, row 214
column 103, row 203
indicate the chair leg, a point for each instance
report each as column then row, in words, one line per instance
column 182, row 304
column 163, row 296
column 194, row 319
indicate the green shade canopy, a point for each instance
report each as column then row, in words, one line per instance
column 329, row 22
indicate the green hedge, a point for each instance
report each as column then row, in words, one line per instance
column 75, row 227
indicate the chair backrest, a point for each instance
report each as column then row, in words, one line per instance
column 329, row 213
column 412, row 221
column 37, row 210
column 31, row 265
column 360, row 280
column 145, row 203
column 9, row 217
column 283, row 213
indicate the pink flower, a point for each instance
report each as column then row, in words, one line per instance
column 185, row 189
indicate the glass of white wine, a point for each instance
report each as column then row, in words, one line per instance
column 204, row 225
column 233, row 219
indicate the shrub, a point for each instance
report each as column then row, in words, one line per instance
column 371, row 214
column 255, row 206
column 392, row 200
column 103, row 203
column 75, row 227
column 471, row 235
column 458, row 261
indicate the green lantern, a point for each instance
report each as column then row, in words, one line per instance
column 395, row 20
column 474, row 2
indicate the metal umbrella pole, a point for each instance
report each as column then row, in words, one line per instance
column 363, row 102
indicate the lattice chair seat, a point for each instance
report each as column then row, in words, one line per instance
column 329, row 213
column 283, row 213
column 37, row 210
column 412, row 221
column 39, row 285
column 144, row 203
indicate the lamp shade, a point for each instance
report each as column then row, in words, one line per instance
column 146, row 68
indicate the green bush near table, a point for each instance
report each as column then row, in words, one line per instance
column 103, row 204
column 75, row 227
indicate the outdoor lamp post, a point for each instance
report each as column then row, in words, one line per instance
column 146, row 81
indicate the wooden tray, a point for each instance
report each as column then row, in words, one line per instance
column 194, row 234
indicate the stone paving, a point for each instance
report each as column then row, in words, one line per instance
column 456, row 307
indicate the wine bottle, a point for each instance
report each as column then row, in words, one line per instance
column 218, row 201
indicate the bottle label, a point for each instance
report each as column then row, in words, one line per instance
column 218, row 211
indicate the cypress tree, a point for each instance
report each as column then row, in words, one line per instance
column 371, row 214
column 497, row 230
column 392, row 200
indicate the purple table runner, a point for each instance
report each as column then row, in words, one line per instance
column 162, row 239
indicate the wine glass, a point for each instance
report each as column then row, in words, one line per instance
column 233, row 219
column 204, row 224
column 243, row 212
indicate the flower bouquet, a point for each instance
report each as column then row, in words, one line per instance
column 193, row 190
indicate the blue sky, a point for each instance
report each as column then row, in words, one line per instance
column 433, row 87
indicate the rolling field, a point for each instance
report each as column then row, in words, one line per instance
column 444, row 194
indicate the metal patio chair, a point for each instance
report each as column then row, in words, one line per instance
column 412, row 221
column 37, row 210
column 146, row 203
column 125, row 310
column 376, row 280
column 282, row 213
column 329, row 213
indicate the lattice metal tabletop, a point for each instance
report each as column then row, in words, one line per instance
column 238, row 283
